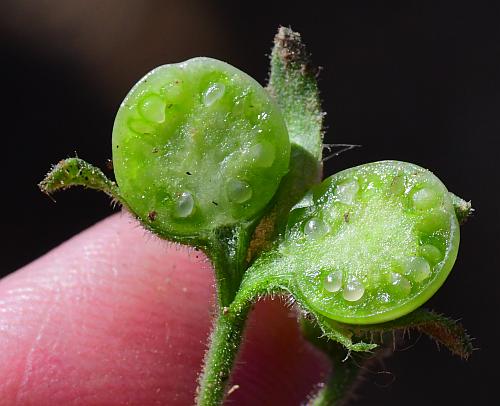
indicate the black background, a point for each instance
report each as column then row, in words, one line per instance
column 416, row 81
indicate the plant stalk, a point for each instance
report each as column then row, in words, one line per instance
column 336, row 390
column 227, row 251
column 224, row 346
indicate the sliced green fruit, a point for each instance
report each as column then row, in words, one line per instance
column 371, row 243
column 197, row 146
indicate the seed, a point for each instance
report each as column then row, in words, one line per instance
column 315, row 228
column 431, row 253
column 213, row 93
column 238, row 191
column 152, row 108
column 418, row 269
column 424, row 199
column 434, row 221
column 262, row 154
column 354, row 290
column 346, row 192
column 333, row 281
column 140, row 127
column 397, row 186
column 402, row 285
column 184, row 205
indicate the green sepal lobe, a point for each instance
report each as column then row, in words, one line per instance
column 77, row 172
column 444, row 330
column 463, row 208
column 293, row 85
column 342, row 334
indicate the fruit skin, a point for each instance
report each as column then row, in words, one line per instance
column 198, row 146
column 378, row 236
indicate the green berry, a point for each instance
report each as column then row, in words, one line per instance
column 371, row 243
column 201, row 145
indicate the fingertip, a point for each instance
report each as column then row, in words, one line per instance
column 116, row 316
column 109, row 317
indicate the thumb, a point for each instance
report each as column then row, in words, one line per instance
column 116, row 317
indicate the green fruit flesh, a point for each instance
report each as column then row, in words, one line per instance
column 372, row 243
column 198, row 145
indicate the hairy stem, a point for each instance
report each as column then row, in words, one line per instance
column 347, row 367
column 228, row 330
column 227, row 250
column 224, row 345
column 336, row 390
column 293, row 85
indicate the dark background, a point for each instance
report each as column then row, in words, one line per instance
column 417, row 81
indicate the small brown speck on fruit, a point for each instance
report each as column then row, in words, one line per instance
column 152, row 215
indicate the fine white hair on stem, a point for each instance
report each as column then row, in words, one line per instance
column 343, row 148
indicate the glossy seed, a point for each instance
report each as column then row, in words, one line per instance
column 184, row 205
column 141, row 127
column 262, row 154
column 354, row 290
column 152, row 108
column 400, row 283
column 213, row 93
column 315, row 228
column 333, row 281
column 397, row 186
column 434, row 221
column 346, row 192
column 425, row 198
column 431, row 253
column 418, row 269
column 238, row 191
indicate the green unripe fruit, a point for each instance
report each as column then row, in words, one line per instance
column 371, row 243
column 196, row 146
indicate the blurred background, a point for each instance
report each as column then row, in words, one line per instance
column 413, row 81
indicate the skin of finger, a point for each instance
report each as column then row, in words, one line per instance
column 115, row 316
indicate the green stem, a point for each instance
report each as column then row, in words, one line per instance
column 346, row 367
column 339, row 385
column 224, row 345
column 228, row 330
column 227, row 251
